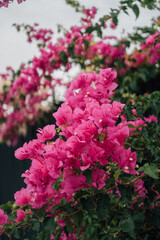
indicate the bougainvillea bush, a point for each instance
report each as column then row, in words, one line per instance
column 95, row 174
column 99, row 178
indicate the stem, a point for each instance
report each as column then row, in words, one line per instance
column 75, row 212
column 114, row 205
column 117, row 232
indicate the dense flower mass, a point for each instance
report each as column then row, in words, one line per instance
column 87, row 120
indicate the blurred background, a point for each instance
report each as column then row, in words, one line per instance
column 14, row 48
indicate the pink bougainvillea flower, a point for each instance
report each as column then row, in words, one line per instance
column 113, row 26
column 30, row 150
column 91, row 12
column 61, row 222
column 22, row 197
column 139, row 188
column 126, row 160
column 20, row 215
column 73, row 183
column 86, row 130
column 151, row 118
column 118, row 134
column 99, row 176
column 117, row 108
column 3, row 220
column 64, row 115
column 47, row 133
column 3, row 217
column 87, row 161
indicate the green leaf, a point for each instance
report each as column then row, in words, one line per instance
column 6, row 206
column 58, row 234
column 126, row 194
column 67, row 207
column 53, row 62
column 117, row 173
column 135, row 9
column 86, row 43
column 131, row 126
column 50, row 225
column 127, row 225
column 124, row 9
column 63, row 201
column 64, row 58
column 54, row 208
column 103, row 205
column 81, row 193
column 88, row 204
column 44, row 235
column 69, row 226
column 36, row 226
column 88, row 174
column 156, row 218
column 90, row 29
column 143, row 76
column 99, row 30
column 115, row 20
column 48, row 77
column 134, row 86
column 71, row 49
column 101, row 137
column 127, row 145
column 77, row 217
column 17, row 234
column 151, row 170
column 138, row 219
column 139, row 110
column 138, row 142
column 4, row 88
column 114, row 15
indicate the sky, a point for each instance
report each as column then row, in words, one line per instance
column 14, row 48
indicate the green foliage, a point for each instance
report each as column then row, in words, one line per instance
column 114, row 15
column 96, row 28
column 64, row 58
column 76, row 5
column 127, row 225
column 125, row 5
column 151, row 170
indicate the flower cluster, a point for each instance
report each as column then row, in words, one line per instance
column 34, row 32
column 3, row 220
column 21, row 105
column 149, row 53
column 90, row 140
